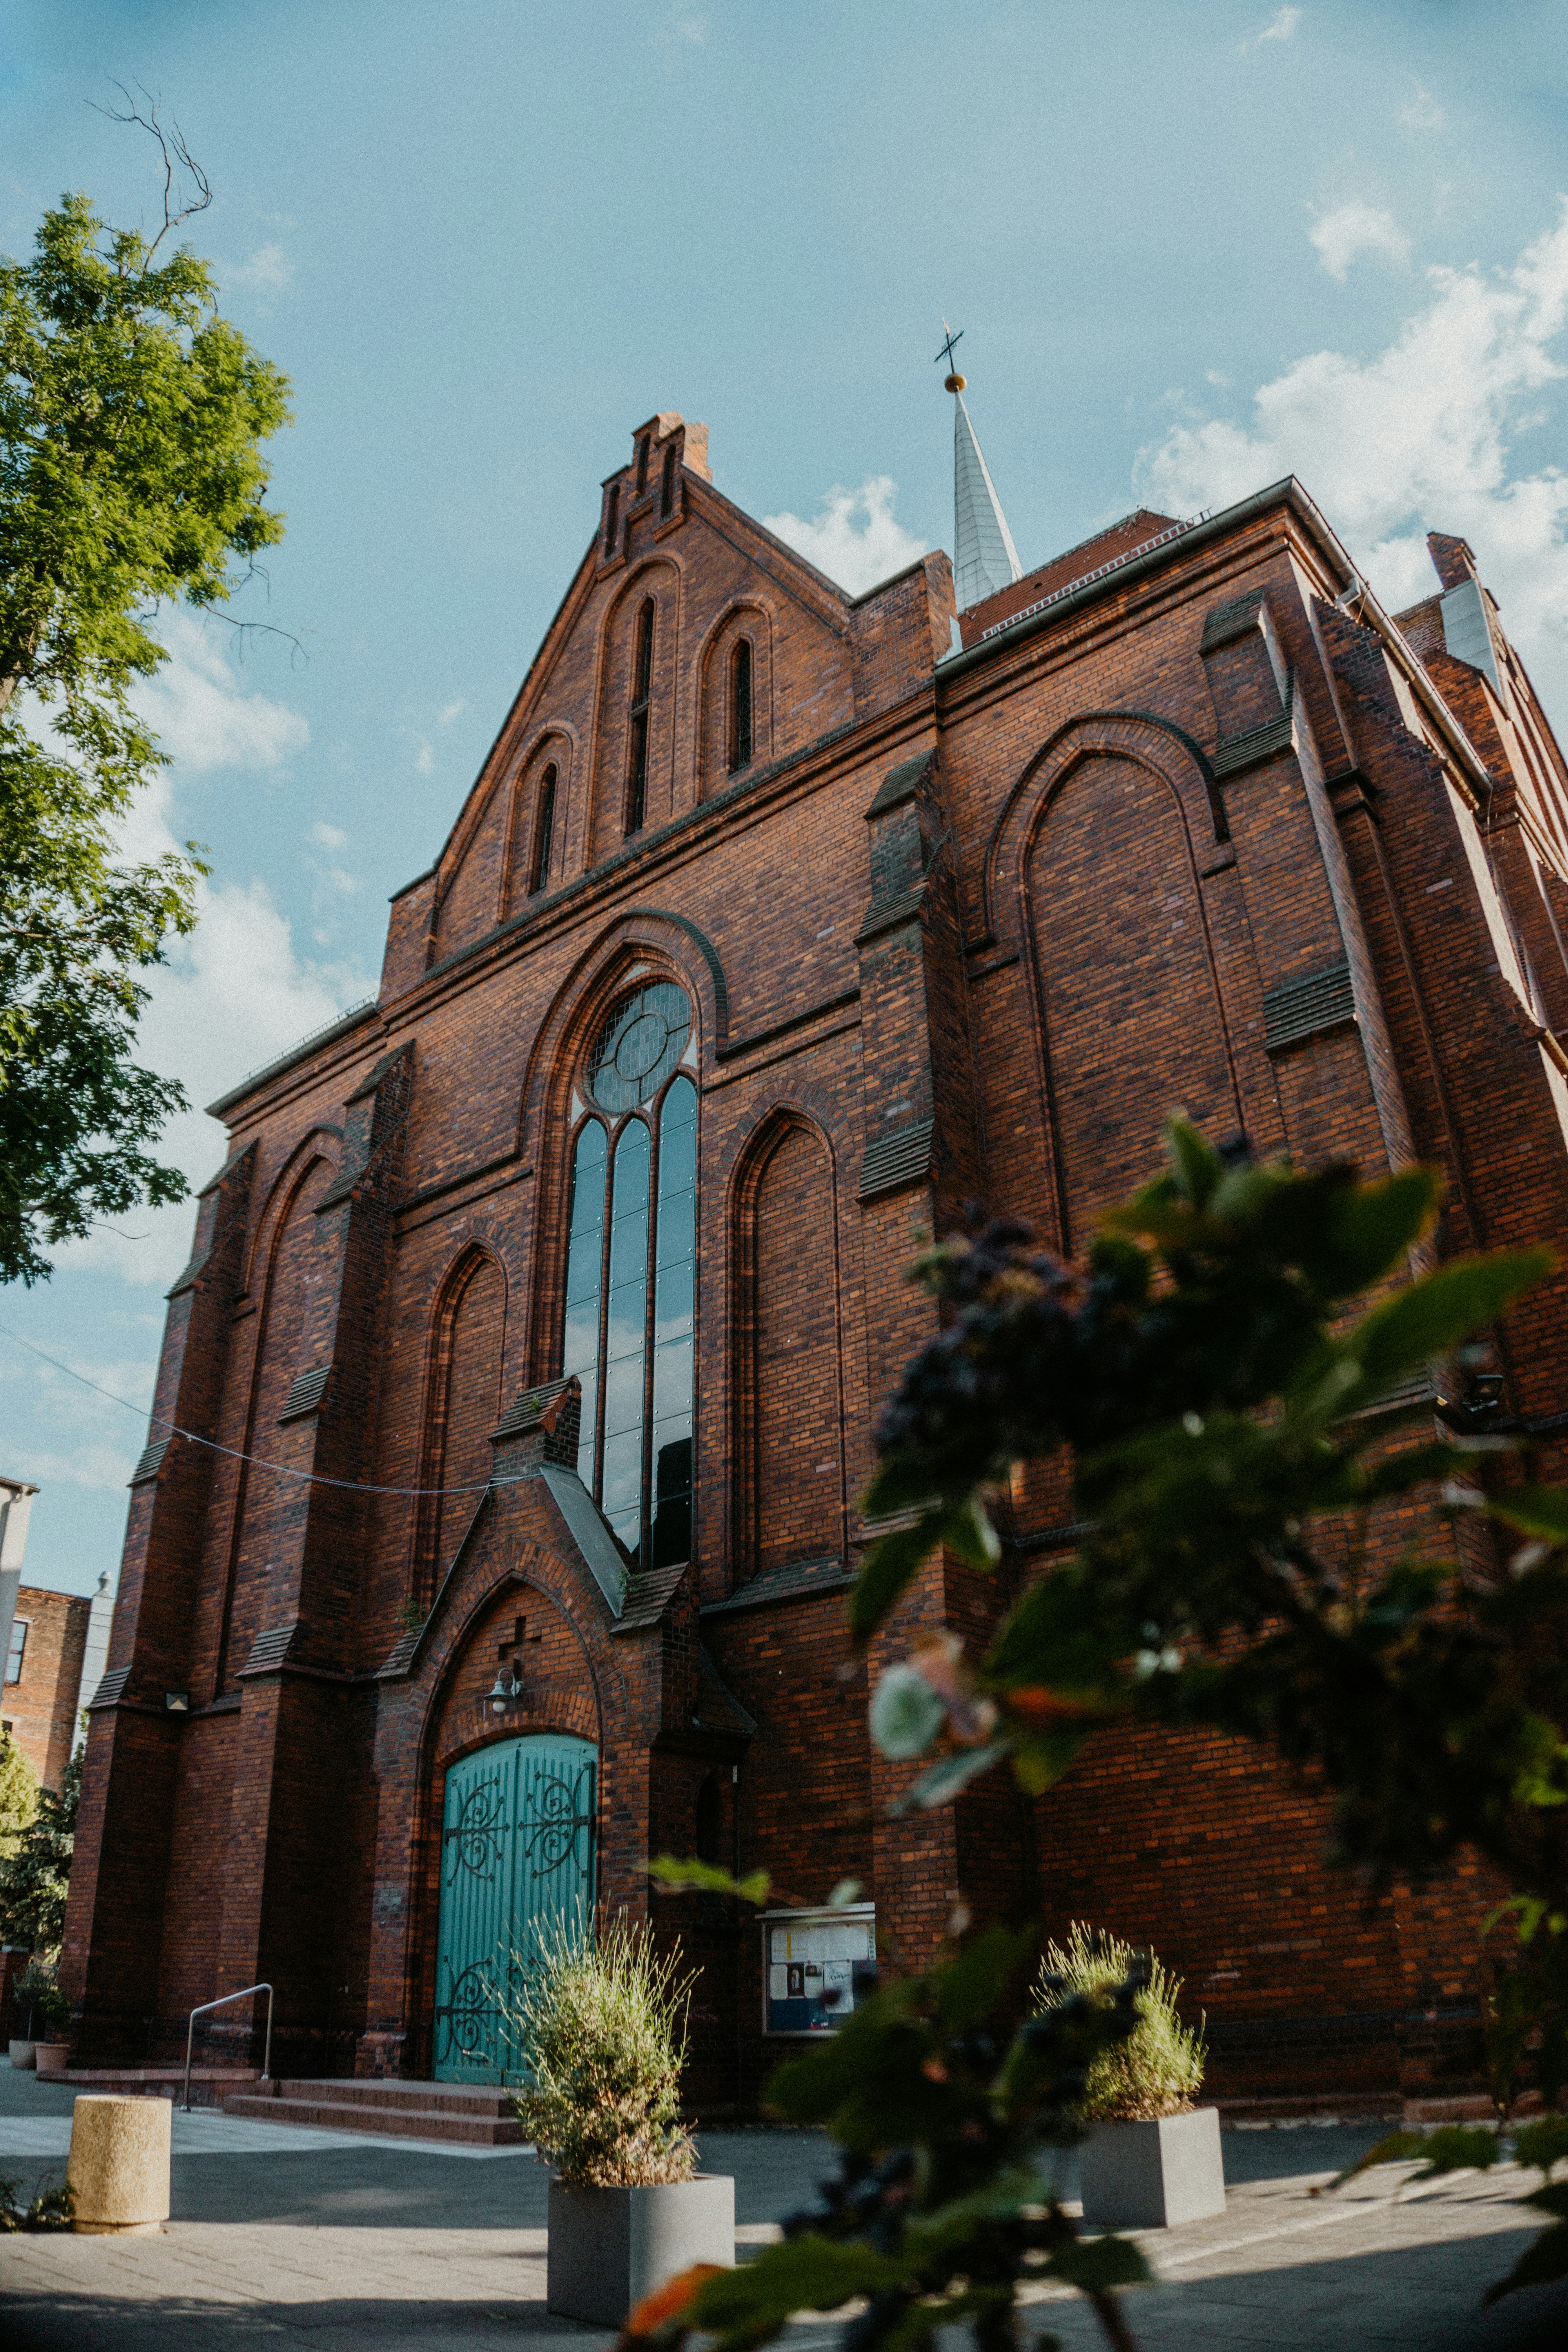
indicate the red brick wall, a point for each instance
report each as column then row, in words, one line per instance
column 470, row 1382
column 1061, row 929
column 793, row 1376
column 41, row 1706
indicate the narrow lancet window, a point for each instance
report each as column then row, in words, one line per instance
column 585, row 1287
column 741, row 707
column 642, row 463
column 626, row 1338
column 666, row 486
column 642, row 688
column 612, row 513
column 543, row 832
column 674, row 1320
column 631, row 1275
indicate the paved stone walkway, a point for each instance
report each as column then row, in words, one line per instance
column 289, row 2241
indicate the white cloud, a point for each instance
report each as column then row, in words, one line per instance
column 1421, row 436
column 1281, row 27
column 230, row 997
column 1357, row 227
column 203, row 716
column 75, row 1437
column 683, row 24
column 267, row 272
column 450, row 710
column 855, row 538
column 1423, row 113
column 236, row 993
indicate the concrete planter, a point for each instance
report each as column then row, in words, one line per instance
column 1149, row 2176
column 24, row 2054
column 609, row 2248
column 51, row 2057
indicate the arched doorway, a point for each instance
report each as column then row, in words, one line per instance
column 517, row 1857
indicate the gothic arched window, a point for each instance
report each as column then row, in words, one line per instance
column 543, row 832
column 642, row 689
column 741, row 707
column 631, row 1274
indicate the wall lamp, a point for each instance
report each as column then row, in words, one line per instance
column 504, row 1694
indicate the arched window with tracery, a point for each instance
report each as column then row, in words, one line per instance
column 631, row 1273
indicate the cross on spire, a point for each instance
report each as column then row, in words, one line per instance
column 947, row 349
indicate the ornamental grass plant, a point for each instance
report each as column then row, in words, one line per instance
column 602, row 2030
column 1159, row 2069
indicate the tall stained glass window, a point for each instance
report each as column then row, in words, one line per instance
column 631, row 1275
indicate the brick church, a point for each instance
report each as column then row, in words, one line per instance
column 515, row 1405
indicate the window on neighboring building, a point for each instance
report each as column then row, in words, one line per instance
column 631, row 1265
column 667, row 484
column 19, row 1644
column 741, row 707
column 543, row 832
column 642, row 689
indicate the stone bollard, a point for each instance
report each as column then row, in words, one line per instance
column 119, row 2164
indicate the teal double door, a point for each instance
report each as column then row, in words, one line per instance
column 517, row 1864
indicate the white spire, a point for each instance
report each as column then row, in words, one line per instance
column 983, row 557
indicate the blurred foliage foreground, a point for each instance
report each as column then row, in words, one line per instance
column 1233, row 1433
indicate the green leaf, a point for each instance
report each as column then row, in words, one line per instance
column 971, row 1987
column 1461, row 2148
column 1534, row 1510
column 1546, row 2260
column 1431, row 1316
column 1098, row 2265
column 679, row 1871
column 1370, row 1228
column 892, row 1564
column 1197, row 1164
column 943, row 1781
column 1397, row 2147
column 803, row 2273
column 968, row 1531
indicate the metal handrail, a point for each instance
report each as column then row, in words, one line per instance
column 202, row 2010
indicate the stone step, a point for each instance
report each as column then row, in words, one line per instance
column 461, row 2098
column 384, row 2121
column 208, row 2083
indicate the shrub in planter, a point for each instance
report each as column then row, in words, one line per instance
column 42, row 2004
column 1152, row 2155
column 603, row 2028
column 1159, row 2069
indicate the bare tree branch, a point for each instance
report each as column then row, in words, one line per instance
column 177, row 158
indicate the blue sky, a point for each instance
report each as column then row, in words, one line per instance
column 1193, row 246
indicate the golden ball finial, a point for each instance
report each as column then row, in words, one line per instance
column 953, row 383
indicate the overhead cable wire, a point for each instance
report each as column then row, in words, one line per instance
column 303, row 1477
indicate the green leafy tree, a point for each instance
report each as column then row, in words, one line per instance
column 35, row 1878
column 1234, row 1430
column 18, row 1793
column 132, row 477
